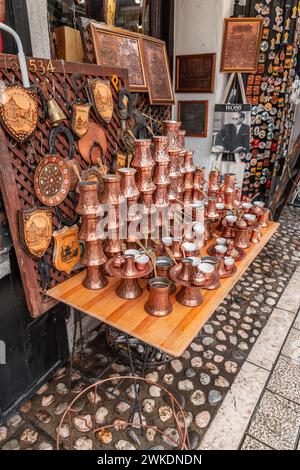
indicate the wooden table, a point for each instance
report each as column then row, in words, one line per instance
column 172, row 334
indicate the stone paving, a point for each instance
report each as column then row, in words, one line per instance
column 199, row 380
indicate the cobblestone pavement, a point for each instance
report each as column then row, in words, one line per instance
column 200, row 379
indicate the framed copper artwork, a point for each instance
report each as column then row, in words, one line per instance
column 195, row 73
column 115, row 47
column 241, row 45
column 193, row 116
column 157, row 71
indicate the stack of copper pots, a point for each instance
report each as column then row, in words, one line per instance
column 111, row 198
column 161, row 176
column 94, row 258
column 144, row 164
column 176, row 191
column 189, row 170
column 199, row 182
column 229, row 190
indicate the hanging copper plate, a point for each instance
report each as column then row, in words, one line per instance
column 95, row 137
column 66, row 249
column 18, row 111
column 101, row 97
column 52, row 180
column 81, row 119
column 35, row 231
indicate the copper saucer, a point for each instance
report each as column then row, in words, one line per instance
column 229, row 274
column 240, row 254
column 117, row 272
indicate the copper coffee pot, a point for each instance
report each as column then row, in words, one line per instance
column 163, row 267
column 181, row 138
column 88, row 203
column 264, row 218
column 189, row 295
column 238, row 196
column 214, row 184
column 174, row 168
column 176, row 248
column 159, row 304
column 211, row 210
column 229, row 183
column 128, row 185
column 142, row 156
column 93, row 259
column 171, row 130
column 188, row 197
column 112, row 190
column 160, row 154
column 229, row 200
column 242, row 237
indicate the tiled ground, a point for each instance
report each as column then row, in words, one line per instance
column 214, row 365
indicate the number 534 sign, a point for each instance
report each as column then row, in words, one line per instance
column 44, row 67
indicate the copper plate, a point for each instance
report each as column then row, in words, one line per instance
column 52, row 180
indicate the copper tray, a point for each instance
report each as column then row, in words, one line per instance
column 117, row 272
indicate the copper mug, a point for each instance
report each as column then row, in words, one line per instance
column 159, row 304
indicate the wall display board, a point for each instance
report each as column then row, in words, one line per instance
column 269, row 90
column 19, row 161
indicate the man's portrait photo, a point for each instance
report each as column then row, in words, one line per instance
column 232, row 129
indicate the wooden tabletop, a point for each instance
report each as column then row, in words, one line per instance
column 172, row 334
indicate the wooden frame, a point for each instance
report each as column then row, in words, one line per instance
column 137, row 82
column 155, row 50
column 200, row 133
column 196, row 64
column 241, row 45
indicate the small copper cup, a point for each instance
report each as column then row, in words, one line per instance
column 159, row 304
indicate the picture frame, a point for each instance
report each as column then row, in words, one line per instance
column 195, row 73
column 241, row 45
column 193, row 116
column 158, row 73
column 120, row 48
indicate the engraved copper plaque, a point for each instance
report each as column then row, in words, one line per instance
column 115, row 47
column 35, row 231
column 241, row 45
column 66, row 249
column 18, row 111
column 81, row 119
column 101, row 97
column 195, row 73
column 157, row 71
